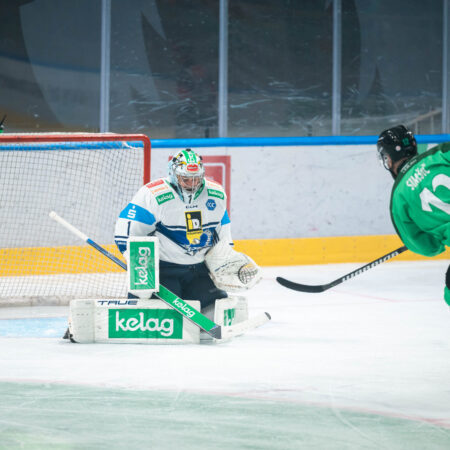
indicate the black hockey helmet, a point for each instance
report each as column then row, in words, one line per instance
column 395, row 144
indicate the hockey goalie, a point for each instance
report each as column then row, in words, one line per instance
column 187, row 214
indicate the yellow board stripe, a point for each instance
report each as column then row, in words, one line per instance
column 56, row 260
column 266, row 252
column 326, row 250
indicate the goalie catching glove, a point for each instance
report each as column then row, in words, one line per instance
column 230, row 270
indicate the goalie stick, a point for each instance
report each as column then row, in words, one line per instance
column 214, row 330
column 324, row 287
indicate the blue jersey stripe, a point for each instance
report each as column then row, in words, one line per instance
column 138, row 214
column 225, row 218
column 177, row 236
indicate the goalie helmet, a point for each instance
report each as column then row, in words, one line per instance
column 395, row 144
column 186, row 174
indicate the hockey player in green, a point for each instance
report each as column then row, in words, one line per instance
column 420, row 199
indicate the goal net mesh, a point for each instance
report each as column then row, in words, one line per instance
column 87, row 182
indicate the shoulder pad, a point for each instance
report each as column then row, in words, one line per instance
column 154, row 183
column 213, row 184
column 158, row 187
column 161, row 190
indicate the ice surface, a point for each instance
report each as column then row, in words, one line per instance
column 363, row 365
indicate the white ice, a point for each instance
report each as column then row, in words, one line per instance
column 377, row 344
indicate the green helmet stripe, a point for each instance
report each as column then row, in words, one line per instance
column 191, row 157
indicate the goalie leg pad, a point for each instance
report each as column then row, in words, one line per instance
column 82, row 321
column 241, row 309
column 126, row 321
column 226, row 312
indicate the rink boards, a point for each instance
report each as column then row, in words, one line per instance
column 266, row 252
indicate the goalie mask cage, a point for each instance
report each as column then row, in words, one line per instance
column 87, row 178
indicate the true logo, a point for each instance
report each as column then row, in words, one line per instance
column 116, row 302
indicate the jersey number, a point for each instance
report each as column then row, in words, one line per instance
column 428, row 198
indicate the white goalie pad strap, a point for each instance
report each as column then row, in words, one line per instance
column 230, row 270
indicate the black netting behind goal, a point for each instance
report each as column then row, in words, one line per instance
column 87, row 181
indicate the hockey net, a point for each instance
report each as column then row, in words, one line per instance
column 87, row 179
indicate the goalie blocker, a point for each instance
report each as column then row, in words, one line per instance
column 230, row 270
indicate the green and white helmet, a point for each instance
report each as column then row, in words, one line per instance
column 187, row 174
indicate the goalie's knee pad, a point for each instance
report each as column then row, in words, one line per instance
column 82, row 321
column 231, row 310
column 241, row 308
column 226, row 312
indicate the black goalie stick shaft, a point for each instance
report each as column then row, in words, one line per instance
column 324, row 287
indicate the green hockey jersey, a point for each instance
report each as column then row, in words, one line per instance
column 420, row 201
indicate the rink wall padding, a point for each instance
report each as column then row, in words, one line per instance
column 291, row 201
column 266, row 252
column 283, row 188
column 326, row 250
column 56, row 260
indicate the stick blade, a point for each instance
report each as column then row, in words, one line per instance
column 215, row 332
column 301, row 287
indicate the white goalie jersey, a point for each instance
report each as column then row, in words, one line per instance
column 186, row 231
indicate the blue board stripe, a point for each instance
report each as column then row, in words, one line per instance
column 219, row 142
column 285, row 141
column 84, row 145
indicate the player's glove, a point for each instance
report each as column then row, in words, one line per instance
column 230, row 270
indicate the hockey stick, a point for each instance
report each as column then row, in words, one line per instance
column 175, row 302
column 324, row 287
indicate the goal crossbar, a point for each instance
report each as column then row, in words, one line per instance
column 83, row 137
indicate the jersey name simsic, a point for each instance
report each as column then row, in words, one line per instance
column 419, row 174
